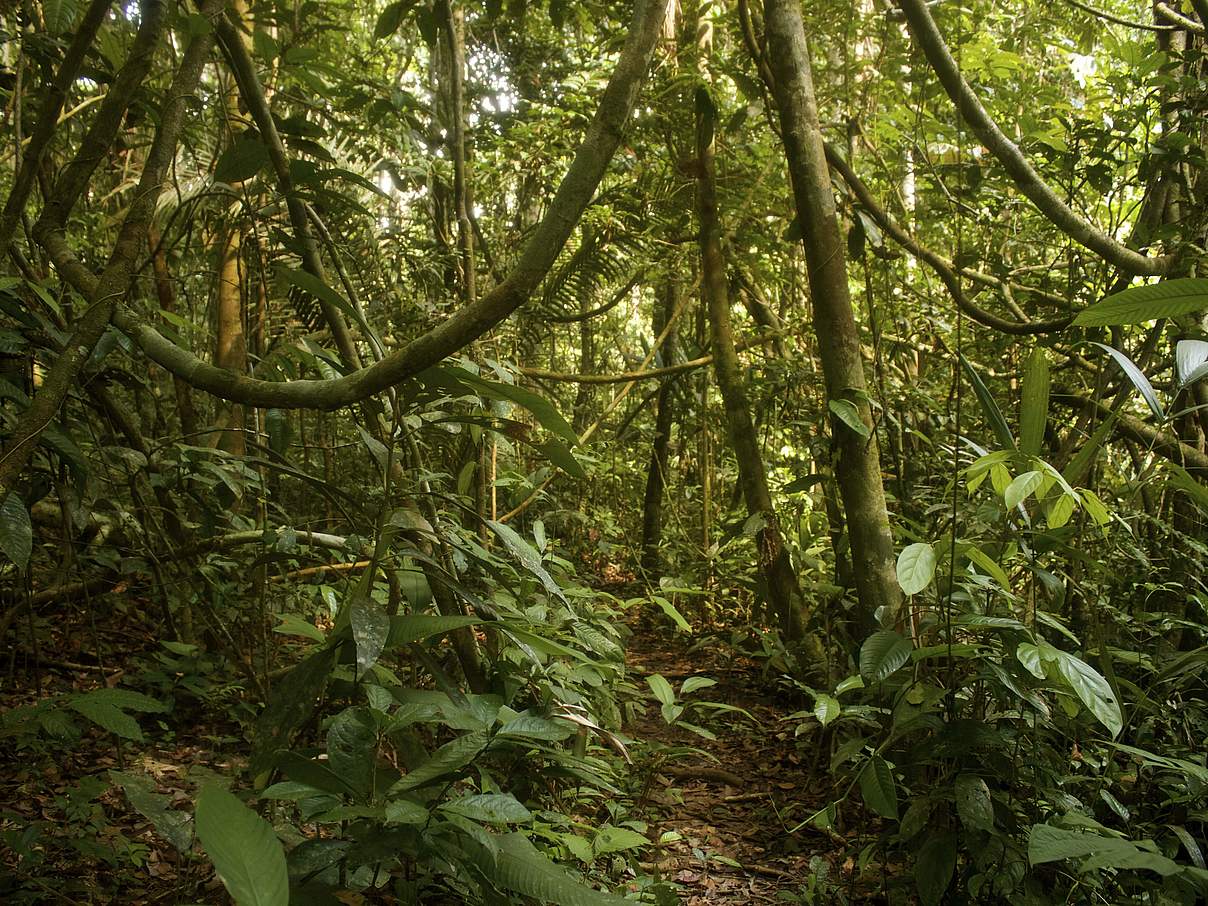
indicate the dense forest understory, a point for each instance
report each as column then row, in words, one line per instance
column 672, row 451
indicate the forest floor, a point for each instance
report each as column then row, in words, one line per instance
column 737, row 803
column 740, row 805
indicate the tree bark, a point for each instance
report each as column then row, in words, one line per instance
column 656, row 477
column 776, row 568
column 858, row 467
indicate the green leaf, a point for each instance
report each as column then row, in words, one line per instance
column 172, row 824
column 1139, row 380
column 986, row 562
column 973, row 802
column 404, row 811
column 610, row 839
column 847, row 412
column 672, row 611
column 489, row 808
column 244, row 849
column 59, row 15
column 290, row 705
column 1191, row 361
column 1034, row 403
column 1060, row 511
column 826, row 708
column 661, row 688
column 1093, row 690
column 352, row 748
column 107, row 709
column 882, row 654
column 391, row 18
column 990, row 408
column 1054, row 844
column 418, row 626
column 292, row 624
column 243, row 160
column 528, row 557
column 371, row 627
column 1139, row 304
column 543, row 410
column 524, row 870
column 1080, row 465
column 878, row 789
column 916, row 567
column 1023, row 487
column 532, row 726
column 445, row 761
column 693, row 683
column 934, row 868
column 16, row 531
column 561, row 456
column 309, row 283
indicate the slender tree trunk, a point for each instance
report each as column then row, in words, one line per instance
column 230, row 344
column 858, row 467
column 166, row 293
column 775, row 566
column 656, row 477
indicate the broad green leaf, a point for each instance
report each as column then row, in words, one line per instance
column 882, row 654
column 391, row 18
column 292, row 624
column 610, row 839
column 1182, row 479
column 1094, row 507
column 352, row 748
column 418, row 626
column 916, row 567
column 1139, row 304
column 1054, row 844
column 1029, row 655
column 313, row 773
column 973, row 802
column 561, row 456
column 990, row 409
column 934, row 868
column 1060, row 511
column 826, row 708
column 542, row 409
column 489, row 808
column 244, row 849
column 1023, row 487
column 16, row 531
column 107, row 709
column 878, row 788
column 532, row 726
column 243, row 160
column 371, row 628
column 1034, row 403
column 172, row 824
column 1139, row 380
column 986, row 562
column 404, row 811
column 847, row 412
column 1191, row 361
column 693, row 683
column 681, row 623
column 445, row 761
column 291, row 702
column 309, row 283
column 1090, row 686
column 528, row 557
column 521, row 868
column 59, row 15
column 661, row 688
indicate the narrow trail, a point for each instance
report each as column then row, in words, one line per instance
column 733, row 811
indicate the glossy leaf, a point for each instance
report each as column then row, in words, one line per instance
column 1140, row 304
column 990, row 409
column 882, row 654
column 916, row 567
column 244, row 849
column 847, row 412
column 1034, row 403
column 934, row 868
column 16, row 531
column 973, row 802
column 1139, row 380
column 878, row 789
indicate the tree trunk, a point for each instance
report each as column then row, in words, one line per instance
column 230, row 344
column 858, row 465
column 774, row 564
column 656, row 477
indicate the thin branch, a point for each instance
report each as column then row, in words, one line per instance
column 1128, row 23
column 1178, row 18
column 944, row 269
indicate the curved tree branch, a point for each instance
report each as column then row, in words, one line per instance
column 1179, row 20
column 927, row 35
column 48, row 118
column 565, row 209
column 104, row 293
column 942, row 266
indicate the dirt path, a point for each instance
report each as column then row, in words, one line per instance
column 734, row 814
